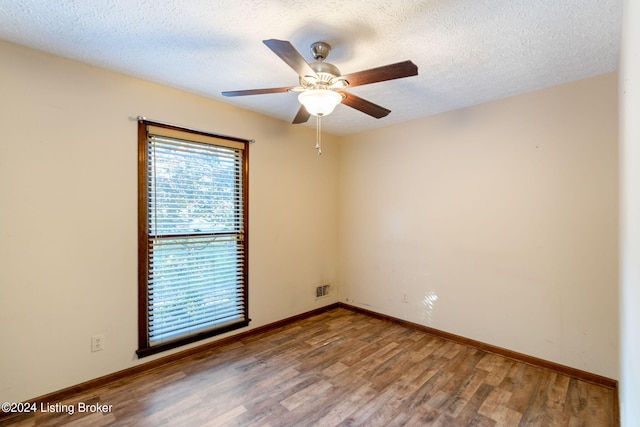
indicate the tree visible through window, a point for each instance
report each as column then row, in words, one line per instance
column 192, row 236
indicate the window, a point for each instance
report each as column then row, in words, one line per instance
column 192, row 222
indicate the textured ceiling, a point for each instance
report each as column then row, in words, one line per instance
column 467, row 51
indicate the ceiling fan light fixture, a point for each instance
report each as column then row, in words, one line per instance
column 320, row 102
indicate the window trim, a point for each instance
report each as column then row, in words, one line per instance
column 144, row 349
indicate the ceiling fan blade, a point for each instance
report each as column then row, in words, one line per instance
column 290, row 55
column 255, row 91
column 381, row 74
column 302, row 116
column 365, row 106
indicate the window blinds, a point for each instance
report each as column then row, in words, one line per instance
column 195, row 213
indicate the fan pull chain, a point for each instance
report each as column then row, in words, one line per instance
column 318, row 134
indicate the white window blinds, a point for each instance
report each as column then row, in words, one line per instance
column 195, row 237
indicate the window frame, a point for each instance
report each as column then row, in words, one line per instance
column 144, row 347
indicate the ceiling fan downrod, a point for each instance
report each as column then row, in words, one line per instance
column 320, row 50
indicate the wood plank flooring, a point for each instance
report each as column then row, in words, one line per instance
column 341, row 368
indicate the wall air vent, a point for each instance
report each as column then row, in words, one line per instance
column 322, row 291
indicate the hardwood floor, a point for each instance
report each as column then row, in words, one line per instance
column 341, row 368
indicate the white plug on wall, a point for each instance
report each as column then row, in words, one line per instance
column 97, row 343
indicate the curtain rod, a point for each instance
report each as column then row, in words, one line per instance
column 215, row 135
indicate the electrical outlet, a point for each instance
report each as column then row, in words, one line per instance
column 97, row 343
column 405, row 297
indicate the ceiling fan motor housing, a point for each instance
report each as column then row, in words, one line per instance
column 326, row 72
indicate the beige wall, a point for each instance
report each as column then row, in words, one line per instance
column 68, row 217
column 499, row 222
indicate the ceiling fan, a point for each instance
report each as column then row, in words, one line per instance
column 321, row 85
